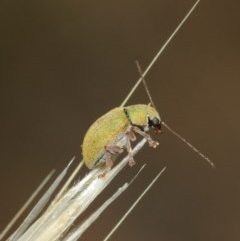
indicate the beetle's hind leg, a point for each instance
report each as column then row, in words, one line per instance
column 116, row 149
column 109, row 151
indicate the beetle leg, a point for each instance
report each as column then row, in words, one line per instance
column 108, row 161
column 113, row 149
column 109, row 164
column 109, row 150
column 130, row 137
column 151, row 142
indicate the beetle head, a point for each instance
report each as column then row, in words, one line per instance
column 155, row 123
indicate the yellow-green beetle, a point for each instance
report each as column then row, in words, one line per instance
column 113, row 132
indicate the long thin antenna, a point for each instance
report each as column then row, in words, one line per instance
column 145, row 84
column 188, row 143
column 166, row 126
column 159, row 53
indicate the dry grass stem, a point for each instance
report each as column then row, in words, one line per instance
column 134, row 204
column 26, row 204
column 59, row 217
column 80, row 229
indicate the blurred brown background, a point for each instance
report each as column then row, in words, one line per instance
column 65, row 63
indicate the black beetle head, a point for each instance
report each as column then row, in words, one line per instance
column 155, row 123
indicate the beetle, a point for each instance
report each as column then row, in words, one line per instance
column 113, row 132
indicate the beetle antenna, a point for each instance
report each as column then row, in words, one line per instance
column 166, row 126
column 188, row 144
column 144, row 83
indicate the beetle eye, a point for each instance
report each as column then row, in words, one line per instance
column 154, row 122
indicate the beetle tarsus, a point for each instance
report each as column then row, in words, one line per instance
column 131, row 161
column 109, row 164
column 102, row 175
column 153, row 144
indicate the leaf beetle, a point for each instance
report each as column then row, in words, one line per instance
column 113, row 132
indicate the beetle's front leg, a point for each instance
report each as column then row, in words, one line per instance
column 151, row 142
